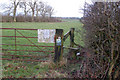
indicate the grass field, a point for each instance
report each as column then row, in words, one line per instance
column 30, row 69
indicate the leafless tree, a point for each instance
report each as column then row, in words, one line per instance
column 38, row 9
column 32, row 6
column 15, row 5
column 46, row 10
column 43, row 10
column 25, row 6
column 50, row 10
column 8, row 9
column 12, row 8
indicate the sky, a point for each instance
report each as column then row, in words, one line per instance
column 63, row 8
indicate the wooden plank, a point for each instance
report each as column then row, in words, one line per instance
column 78, row 45
column 71, row 48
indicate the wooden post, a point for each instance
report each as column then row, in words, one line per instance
column 58, row 45
column 72, row 37
column 72, row 54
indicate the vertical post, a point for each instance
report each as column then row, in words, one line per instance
column 72, row 37
column 71, row 52
column 15, row 41
column 58, row 45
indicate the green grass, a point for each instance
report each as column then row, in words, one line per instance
column 21, row 69
column 30, row 67
column 60, row 25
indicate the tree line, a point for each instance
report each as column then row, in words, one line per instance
column 32, row 11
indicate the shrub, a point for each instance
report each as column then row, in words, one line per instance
column 102, row 25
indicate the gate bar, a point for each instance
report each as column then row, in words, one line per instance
column 26, row 45
column 18, row 28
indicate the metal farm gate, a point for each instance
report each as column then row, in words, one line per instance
column 22, row 45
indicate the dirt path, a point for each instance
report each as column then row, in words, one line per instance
column 83, row 68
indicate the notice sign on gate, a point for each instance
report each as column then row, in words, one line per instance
column 46, row 35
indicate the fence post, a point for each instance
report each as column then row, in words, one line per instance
column 58, row 45
column 71, row 52
column 72, row 37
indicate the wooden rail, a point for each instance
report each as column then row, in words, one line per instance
column 66, row 35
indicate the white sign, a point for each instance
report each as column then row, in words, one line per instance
column 46, row 35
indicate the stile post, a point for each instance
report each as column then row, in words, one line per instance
column 58, row 45
column 71, row 43
column 72, row 37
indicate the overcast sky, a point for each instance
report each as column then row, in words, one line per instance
column 62, row 8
